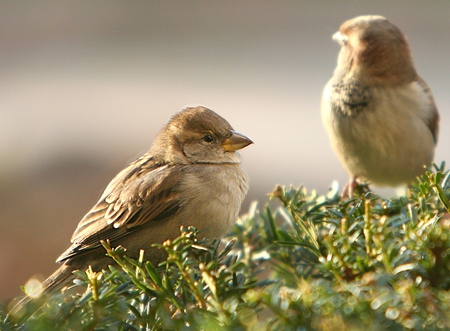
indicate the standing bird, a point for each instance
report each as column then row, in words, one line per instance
column 379, row 114
column 191, row 176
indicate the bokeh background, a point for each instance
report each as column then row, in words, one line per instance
column 86, row 85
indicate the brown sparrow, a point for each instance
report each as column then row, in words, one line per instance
column 191, row 176
column 379, row 114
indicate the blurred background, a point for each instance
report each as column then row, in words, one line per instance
column 85, row 87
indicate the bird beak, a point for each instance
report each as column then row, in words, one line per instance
column 236, row 141
column 340, row 38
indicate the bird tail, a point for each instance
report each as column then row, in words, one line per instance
column 52, row 284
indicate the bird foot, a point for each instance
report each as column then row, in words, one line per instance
column 354, row 186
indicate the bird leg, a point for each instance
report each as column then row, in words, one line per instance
column 349, row 188
column 352, row 186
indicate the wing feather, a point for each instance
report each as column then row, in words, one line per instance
column 432, row 119
column 146, row 191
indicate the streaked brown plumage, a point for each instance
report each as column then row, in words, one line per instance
column 191, row 176
column 380, row 115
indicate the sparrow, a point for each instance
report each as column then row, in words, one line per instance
column 379, row 114
column 191, row 176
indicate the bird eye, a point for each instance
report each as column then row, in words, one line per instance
column 208, row 138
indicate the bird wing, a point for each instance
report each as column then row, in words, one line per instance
column 433, row 122
column 432, row 116
column 145, row 191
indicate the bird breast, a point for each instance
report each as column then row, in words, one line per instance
column 387, row 141
column 216, row 193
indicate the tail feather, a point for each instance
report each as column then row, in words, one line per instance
column 62, row 276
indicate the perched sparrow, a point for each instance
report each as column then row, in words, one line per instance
column 191, row 176
column 380, row 115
